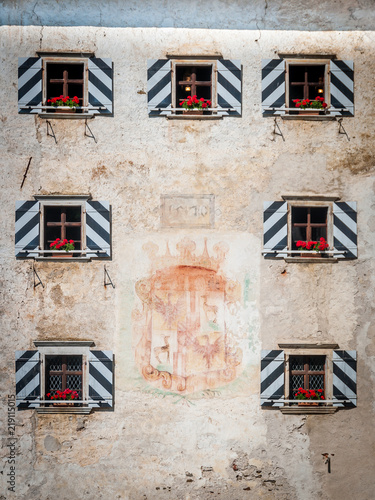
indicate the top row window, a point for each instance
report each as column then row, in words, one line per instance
column 207, row 86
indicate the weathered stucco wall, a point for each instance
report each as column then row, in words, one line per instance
column 206, row 444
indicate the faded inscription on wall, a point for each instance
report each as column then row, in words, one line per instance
column 188, row 210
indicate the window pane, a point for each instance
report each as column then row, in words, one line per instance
column 74, row 382
column 317, row 363
column 305, row 81
column 296, row 363
column 55, row 72
column 296, row 381
column 195, row 76
column 55, row 383
column 316, row 382
column 54, row 364
column 52, row 214
column 73, row 214
column 74, row 363
column 319, row 214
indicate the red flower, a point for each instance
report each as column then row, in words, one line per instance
column 298, row 105
column 320, row 390
column 71, row 242
column 208, row 103
column 324, row 104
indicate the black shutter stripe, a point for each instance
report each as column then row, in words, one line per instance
column 29, row 63
column 340, row 247
column 27, row 228
column 344, row 68
column 106, row 384
column 158, row 64
column 274, row 207
column 94, row 101
column 94, row 246
column 102, row 65
column 160, row 85
column 275, row 228
column 229, row 87
column 344, row 355
column 30, row 84
column 338, row 396
column 102, row 87
column 101, row 356
column 345, row 379
column 24, row 358
column 231, row 67
column 344, row 229
column 223, row 103
column 31, row 374
column 270, row 66
column 274, row 85
column 347, row 209
column 98, row 229
column 99, row 207
column 272, row 377
column 342, row 87
column 22, row 209
column 271, row 356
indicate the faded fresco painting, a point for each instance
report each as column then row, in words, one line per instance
column 180, row 336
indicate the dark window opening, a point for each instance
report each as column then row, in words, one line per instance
column 306, row 82
column 62, row 222
column 193, row 80
column 308, row 224
column 306, row 372
column 65, row 79
column 63, row 372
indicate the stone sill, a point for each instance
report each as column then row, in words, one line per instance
column 63, row 259
column 191, row 117
column 84, row 410
column 323, row 118
column 313, row 260
column 66, row 116
column 308, row 410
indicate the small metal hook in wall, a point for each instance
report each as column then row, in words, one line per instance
column 50, row 131
column 327, row 458
column 107, row 279
column 39, row 280
column 342, row 130
column 276, row 126
column 91, row 135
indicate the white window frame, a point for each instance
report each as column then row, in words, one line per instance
column 61, row 60
column 308, row 62
column 194, row 62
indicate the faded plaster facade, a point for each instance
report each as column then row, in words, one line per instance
column 215, row 441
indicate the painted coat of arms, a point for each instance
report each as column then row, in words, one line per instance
column 181, row 341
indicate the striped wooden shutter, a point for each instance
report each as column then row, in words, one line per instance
column 27, row 379
column 342, row 87
column 273, row 86
column 27, row 228
column 272, row 378
column 229, row 87
column 29, row 83
column 275, row 227
column 101, row 379
column 345, row 229
column 159, row 87
column 98, row 228
column 100, row 87
column 344, row 378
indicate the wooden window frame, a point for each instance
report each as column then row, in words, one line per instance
column 307, row 62
column 306, row 372
column 69, row 61
column 194, row 63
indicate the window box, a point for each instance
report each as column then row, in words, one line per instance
column 170, row 81
column 297, row 218
column 290, row 78
column 76, row 218
column 313, row 366
column 88, row 78
column 56, row 365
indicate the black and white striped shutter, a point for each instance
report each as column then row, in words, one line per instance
column 100, row 86
column 273, row 86
column 27, row 228
column 229, row 87
column 345, row 229
column 98, row 228
column 272, row 378
column 275, row 228
column 27, row 379
column 29, row 83
column 101, row 379
column 342, row 87
column 344, row 378
column 159, row 87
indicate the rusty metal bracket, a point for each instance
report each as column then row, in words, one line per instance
column 106, row 275
column 39, row 280
column 276, row 126
column 49, row 128
column 341, row 129
column 91, row 135
column 25, row 174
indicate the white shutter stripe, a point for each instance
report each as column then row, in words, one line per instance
column 229, row 87
column 27, row 222
column 27, row 378
column 159, row 86
column 344, row 78
column 101, row 379
column 345, row 228
column 29, row 83
column 100, row 84
column 274, row 219
column 345, row 241
column 272, row 377
column 98, row 228
column 273, row 86
column 344, row 377
column 346, row 103
column 275, row 227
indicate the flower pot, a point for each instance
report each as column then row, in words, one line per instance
column 62, row 404
column 62, row 255
column 309, row 113
column 310, row 255
column 193, row 112
column 65, row 109
column 308, row 403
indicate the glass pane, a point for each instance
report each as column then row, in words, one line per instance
column 317, row 363
column 189, row 74
column 52, row 214
column 54, row 364
column 296, row 363
column 296, row 381
column 74, row 382
column 318, row 232
column 55, row 383
column 316, row 382
column 319, row 215
column 55, row 72
column 73, row 214
column 309, row 76
column 74, row 363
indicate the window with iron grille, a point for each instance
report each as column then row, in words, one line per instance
column 65, row 79
column 308, row 223
column 64, row 222
column 63, row 372
column 307, row 372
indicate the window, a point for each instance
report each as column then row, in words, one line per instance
column 63, row 372
column 309, row 219
column 78, row 219
column 59, row 365
column 170, row 81
column 88, row 78
column 316, row 367
column 289, row 78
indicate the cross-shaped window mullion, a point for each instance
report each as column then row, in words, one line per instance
column 66, row 81
column 306, row 84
